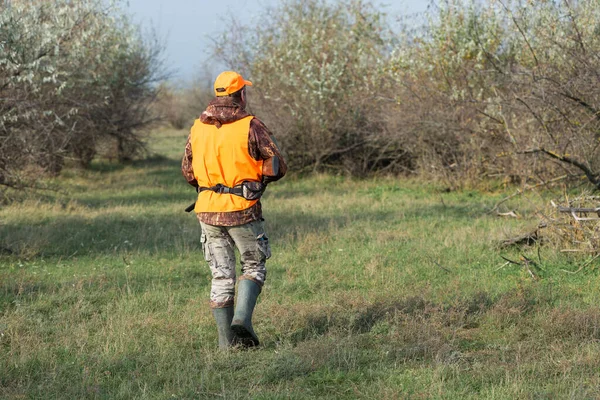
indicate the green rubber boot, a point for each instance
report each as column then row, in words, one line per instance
column 223, row 317
column 241, row 326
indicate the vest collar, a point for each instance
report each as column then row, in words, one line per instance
column 222, row 110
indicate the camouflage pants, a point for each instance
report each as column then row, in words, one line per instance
column 218, row 246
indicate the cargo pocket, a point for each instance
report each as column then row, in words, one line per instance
column 263, row 245
column 205, row 247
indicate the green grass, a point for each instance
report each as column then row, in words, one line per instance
column 383, row 288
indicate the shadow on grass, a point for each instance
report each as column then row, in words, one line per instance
column 361, row 320
column 107, row 166
column 117, row 232
column 176, row 231
column 12, row 290
column 290, row 224
column 156, row 186
column 47, row 295
column 295, row 190
column 454, row 211
column 175, row 201
column 465, row 313
column 170, row 229
column 111, row 234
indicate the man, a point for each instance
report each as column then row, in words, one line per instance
column 230, row 157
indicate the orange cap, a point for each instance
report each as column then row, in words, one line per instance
column 229, row 82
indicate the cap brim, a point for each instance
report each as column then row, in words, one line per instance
column 247, row 83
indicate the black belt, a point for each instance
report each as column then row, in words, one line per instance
column 247, row 190
column 220, row 188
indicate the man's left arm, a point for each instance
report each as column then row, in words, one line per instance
column 262, row 146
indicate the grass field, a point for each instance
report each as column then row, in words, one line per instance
column 377, row 289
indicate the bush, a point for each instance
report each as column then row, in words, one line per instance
column 506, row 81
column 73, row 74
column 179, row 107
column 472, row 95
column 318, row 70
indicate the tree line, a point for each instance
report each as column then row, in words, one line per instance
column 497, row 89
column 504, row 90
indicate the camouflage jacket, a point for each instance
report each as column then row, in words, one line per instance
column 261, row 146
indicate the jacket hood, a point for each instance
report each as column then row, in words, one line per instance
column 222, row 110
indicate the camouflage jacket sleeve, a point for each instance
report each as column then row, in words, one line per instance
column 262, row 146
column 186, row 165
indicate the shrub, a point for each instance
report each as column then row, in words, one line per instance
column 72, row 74
column 318, row 70
column 503, row 80
column 179, row 107
column 471, row 95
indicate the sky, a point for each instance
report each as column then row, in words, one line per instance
column 187, row 26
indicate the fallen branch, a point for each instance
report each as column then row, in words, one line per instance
column 528, row 238
column 502, row 266
column 533, row 276
column 507, row 214
column 583, row 210
column 579, row 251
column 442, row 267
column 439, row 265
column 525, row 262
column 510, row 261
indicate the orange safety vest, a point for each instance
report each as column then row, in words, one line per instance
column 220, row 155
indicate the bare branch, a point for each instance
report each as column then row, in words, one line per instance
column 593, row 177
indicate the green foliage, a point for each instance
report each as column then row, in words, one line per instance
column 73, row 74
column 477, row 92
column 317, row 68
column 506, row 79
column 179, row 107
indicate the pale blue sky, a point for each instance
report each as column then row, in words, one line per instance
column 188, row 25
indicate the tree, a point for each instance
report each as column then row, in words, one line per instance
column 319, row 73
column 71, row 75
column 517, row 78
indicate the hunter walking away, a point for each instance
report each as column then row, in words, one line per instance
column 230, row 158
